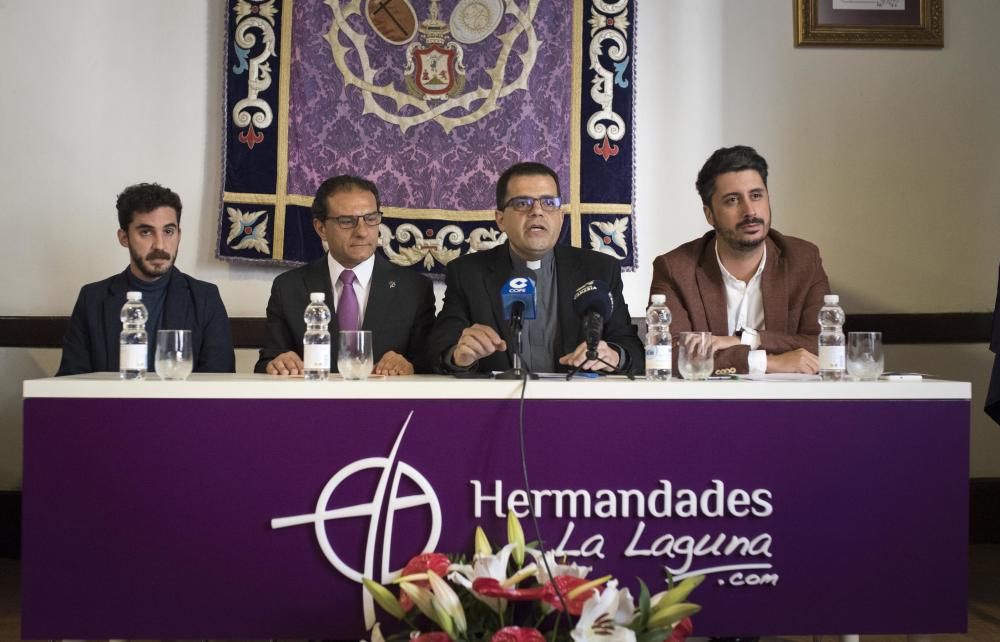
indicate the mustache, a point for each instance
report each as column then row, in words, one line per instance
column 751, row 221
column 157, row 254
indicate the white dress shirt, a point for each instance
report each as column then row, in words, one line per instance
column 362, row 283
column 745, row 311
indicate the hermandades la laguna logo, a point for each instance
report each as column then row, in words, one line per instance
column 682, row 556
column 737, row 560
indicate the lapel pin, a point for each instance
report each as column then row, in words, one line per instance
column 392, row 284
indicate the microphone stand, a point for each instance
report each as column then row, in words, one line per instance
column 516, row 328
column 592, row 355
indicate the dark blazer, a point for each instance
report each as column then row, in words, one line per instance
column 792, row 286
column 992, row 407
column 91, row 342
column 472, row 295
column 399, row 312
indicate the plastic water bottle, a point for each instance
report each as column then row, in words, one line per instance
column 316, row 341
column 133, row 342
column 831, row 339
column 659, row 357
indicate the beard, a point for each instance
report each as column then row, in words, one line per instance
column 146, row 268
column 736, row 242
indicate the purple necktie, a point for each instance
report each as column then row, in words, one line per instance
column 347, row 307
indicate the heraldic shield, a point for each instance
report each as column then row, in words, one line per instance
column 434, row 71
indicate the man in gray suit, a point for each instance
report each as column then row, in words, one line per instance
column 364, row 291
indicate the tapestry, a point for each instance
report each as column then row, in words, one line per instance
column 432, row 100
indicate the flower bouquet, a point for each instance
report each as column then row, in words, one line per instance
column 499, row 598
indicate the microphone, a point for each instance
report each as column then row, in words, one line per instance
column 518, row 296
column 592, row 301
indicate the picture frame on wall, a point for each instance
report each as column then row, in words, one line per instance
column 869, row 23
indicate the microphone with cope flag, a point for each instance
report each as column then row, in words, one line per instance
column 518, row 297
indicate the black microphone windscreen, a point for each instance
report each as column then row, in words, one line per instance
column 593, row 296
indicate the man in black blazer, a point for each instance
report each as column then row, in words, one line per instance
column 149, row 218
column 397, row 305
column 471, row 333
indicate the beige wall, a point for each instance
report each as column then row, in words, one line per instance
column 888, row 159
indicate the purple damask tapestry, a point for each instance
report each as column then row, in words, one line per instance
column 432, row 100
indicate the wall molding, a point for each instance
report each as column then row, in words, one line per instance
column 249, row 332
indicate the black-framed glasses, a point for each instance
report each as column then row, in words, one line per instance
column 371, row 219
column 527, row 203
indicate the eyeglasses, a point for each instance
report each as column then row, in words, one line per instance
column 371, row 219
column 527, row 203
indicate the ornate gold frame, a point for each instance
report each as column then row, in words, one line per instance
column 809, row 32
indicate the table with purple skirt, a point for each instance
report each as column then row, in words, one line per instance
column 247, row 506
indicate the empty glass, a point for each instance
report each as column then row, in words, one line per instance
column 354, row 356
column 865, row 360
column 173, row 354
column 695, row 355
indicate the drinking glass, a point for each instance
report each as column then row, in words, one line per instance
column 695, row 355
column 354, row 356
column 865, row 360
column 173, row 354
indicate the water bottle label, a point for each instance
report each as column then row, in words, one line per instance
column 658, row 357
column 317, row 357
column 132, row 356
column 831, row 357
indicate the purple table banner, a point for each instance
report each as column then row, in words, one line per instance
column 248, row 518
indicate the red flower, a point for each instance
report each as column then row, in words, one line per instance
column 517, row 634
column 427, row 562
column 565, row 584
column 423, row 563
column 490, row 587
column 436, row 636
column 683, row 629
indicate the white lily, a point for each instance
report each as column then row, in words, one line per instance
column 377, row 633
column 605, row 617
column 558, row 570
column 446, row 601
column 494, row 567
column 420, row 596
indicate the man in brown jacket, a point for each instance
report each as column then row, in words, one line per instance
column 757, row 291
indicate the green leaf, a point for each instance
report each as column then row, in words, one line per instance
column 643, row 606
column 653, row 635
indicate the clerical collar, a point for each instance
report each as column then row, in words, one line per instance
column 544, row 263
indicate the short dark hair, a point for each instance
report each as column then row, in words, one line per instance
column 725, row 160
column 523, row 169
column 143, row 198
column 343, row 183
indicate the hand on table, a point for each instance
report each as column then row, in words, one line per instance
column 579, row 357
column 393, row 363
column 286, row 363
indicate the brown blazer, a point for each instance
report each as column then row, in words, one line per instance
column 792, row 286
